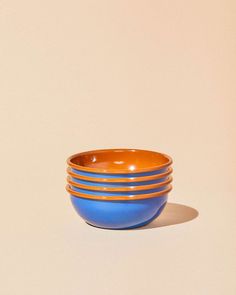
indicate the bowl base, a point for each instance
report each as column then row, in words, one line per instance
column 121, row 228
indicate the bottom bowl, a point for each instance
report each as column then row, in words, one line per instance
column 119, row 214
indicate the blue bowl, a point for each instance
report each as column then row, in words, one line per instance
column 118, row 184
column 117, row 193
column 126, row 214
column 117, row 175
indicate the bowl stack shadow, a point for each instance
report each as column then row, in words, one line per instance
column 119, row 188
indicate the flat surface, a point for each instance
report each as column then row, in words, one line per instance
column 82, row 75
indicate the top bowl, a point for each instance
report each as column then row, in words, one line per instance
column 119, row 161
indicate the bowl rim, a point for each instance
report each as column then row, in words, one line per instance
column 115, row 171
column 118, row 198
column 115, row 180
column 119, row 189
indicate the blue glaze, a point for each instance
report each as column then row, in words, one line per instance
column 116, row 193
column 119, row 214
column 118, row 175
column 117, row 184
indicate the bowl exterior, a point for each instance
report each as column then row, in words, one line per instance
column 117, row 193
column 117, row 184
column 141, row 180
column 119, row 214
column 117, row 175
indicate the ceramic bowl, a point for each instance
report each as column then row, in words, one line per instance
column 119, row 214
column 119, row 163
column 118, row 197
column 127, row 190
column 119, row 182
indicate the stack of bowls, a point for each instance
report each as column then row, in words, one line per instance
column 119, row 188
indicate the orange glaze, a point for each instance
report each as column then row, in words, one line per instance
column 117, row 198
column 121, row 189
column 119, row 161
column 114, row 180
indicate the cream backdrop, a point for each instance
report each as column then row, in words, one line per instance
column 80, row 75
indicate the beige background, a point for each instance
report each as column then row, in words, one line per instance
column 80, row 75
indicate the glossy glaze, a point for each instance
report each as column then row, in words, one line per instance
column 117, row 184
column 116, row 193
column 123, row 181
column 119, row 161
column 118, row 197
column 118, row 175
column 142, row 189
column 119, row 214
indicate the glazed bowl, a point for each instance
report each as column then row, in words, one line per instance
column 113, row 191
column 119, row 182
column 118, row 213
column 119, row 163
column 119, row 197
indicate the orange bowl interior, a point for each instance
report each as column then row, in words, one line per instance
column 119, row 160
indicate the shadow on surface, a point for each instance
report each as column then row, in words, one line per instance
column 171, row 215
